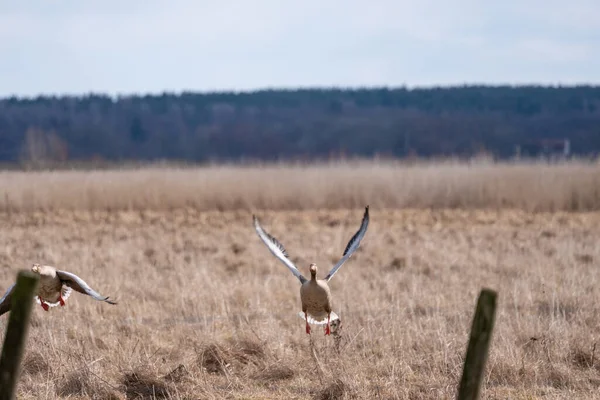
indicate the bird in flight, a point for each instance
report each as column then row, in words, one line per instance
column 315, row 294
column 54, row 288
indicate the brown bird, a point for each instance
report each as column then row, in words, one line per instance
column 54, row 288
column 315, row 294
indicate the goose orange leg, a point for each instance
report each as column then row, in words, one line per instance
column 44, row 305
column 307, row 325
column 327, row 328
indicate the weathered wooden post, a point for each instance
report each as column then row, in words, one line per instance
column 477, row 350
column 16, row 333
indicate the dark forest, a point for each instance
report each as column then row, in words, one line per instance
column 305, row 124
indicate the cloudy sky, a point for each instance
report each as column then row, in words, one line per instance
column 136, row 46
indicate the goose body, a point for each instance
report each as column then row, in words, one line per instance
column 315, row 294
column 50, row 288
column 315, row 297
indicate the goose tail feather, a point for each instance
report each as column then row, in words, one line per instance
column 323, row 321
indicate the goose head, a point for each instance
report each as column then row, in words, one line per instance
column 43, row 270
column 313, row 271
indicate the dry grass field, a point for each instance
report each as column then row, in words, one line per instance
column 206, row 312
column 572, row 186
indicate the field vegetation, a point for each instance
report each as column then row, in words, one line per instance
column 476, row 184
column 206, row 312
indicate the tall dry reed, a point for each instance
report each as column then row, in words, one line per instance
column 573, row 186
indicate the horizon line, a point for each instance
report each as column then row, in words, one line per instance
column 300, row 88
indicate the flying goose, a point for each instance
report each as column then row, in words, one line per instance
column 54, row 288
column 315, row 294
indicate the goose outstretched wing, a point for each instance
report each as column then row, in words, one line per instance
column 352, row 244
column 79, row 285
column 277, row 249
column 5, row 302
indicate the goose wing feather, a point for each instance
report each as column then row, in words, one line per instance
column 5, row 302
column 277, row 249
column 352, row 245
column 79, row 285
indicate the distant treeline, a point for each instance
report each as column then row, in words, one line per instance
column 302, row 124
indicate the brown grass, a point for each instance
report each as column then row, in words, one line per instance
column 205, row 311
column 573, row 186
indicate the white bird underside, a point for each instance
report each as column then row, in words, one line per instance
column 65, row 291
column 323, row 321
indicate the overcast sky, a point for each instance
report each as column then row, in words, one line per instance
column 131, row 46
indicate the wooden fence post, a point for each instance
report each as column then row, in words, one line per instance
column 16, row 333
column 477, row 350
